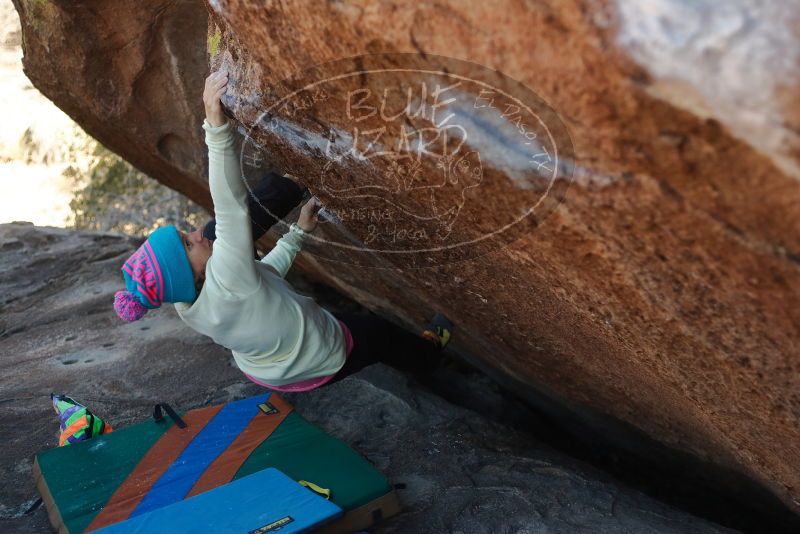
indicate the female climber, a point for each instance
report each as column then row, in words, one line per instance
column 280, row 339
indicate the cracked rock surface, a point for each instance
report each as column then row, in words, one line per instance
column 464, row 473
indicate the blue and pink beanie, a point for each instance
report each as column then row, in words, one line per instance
column 159, row 271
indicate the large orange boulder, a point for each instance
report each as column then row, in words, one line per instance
column 665, row 288
column 645, row 268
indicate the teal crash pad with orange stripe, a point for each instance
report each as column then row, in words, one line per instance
column 135, row 470
column 263, row 502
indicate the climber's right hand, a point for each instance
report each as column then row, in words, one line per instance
column 216, row 84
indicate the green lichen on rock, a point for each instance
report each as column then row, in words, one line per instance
column 40, row 7
column 213, row 43
column 38, row 13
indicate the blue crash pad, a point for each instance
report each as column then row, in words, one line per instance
column 263, row 502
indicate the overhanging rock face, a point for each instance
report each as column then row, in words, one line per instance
column 661, row 287
column 663, row 290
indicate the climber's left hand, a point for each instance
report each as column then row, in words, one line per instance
column 216, row 84
column 308, row 215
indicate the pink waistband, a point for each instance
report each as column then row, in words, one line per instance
column 307, row 385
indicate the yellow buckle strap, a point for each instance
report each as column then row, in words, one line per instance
column 325, row 492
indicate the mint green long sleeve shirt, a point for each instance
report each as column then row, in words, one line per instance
column 275, row 334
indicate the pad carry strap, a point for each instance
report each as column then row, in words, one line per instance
column 319, row 490
column 158, row 416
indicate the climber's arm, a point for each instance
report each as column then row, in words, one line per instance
column 231, row 263
column 280, row 258
column 282, row 255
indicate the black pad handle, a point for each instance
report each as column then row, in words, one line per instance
column 158, row 416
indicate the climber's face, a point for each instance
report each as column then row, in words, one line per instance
column 198, row 249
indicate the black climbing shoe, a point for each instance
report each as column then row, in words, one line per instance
column 439, row 331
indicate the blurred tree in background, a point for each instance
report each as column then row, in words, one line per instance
column 110, row 194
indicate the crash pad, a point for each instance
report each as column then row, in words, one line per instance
column 137, row 469
column 263, row 502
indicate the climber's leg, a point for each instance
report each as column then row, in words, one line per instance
column 271, row 199
column 377, row 340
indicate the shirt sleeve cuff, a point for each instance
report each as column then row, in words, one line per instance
column 216, row 129
column 295, row 229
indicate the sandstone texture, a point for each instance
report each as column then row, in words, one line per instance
column 462, row 472
column 660, row 289
column 454, row 479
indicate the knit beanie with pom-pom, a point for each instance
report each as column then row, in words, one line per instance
column 159, row 271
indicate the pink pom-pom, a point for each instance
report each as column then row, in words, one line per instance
column 128, row 306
